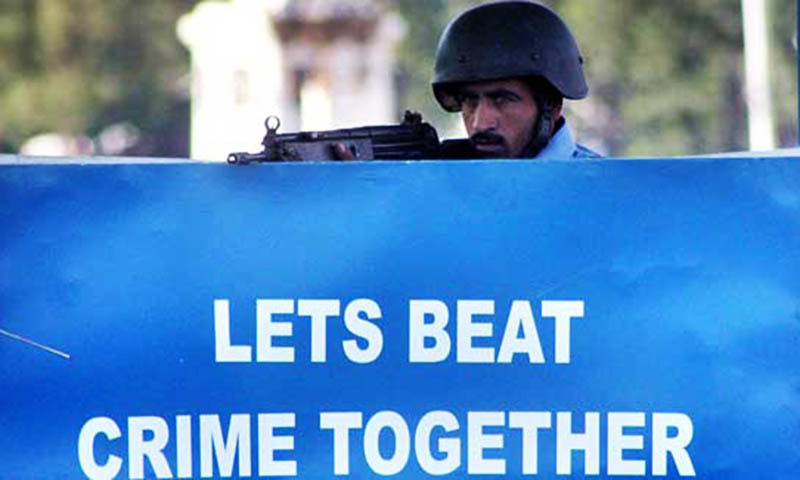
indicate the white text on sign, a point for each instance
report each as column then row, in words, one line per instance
column 440, row 442
column 429, row 340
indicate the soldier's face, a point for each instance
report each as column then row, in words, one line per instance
column 499, row 116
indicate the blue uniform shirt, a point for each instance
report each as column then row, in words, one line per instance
column 563, row 146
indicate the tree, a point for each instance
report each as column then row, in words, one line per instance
column 417, row 52
column 77, row 66
column 665, row 77
column 783, row 65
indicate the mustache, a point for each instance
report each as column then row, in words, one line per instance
column 486, row 138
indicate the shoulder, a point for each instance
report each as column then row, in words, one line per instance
column 583, row 152
column 562, row 145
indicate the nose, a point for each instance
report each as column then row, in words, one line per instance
column 484, row 116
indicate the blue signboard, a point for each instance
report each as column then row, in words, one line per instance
column 605, row 319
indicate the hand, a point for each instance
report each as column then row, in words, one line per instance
column 341, row 152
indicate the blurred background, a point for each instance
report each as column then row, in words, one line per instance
column 189, row 78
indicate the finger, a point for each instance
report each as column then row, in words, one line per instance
column 343, row 153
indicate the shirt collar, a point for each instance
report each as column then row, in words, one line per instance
column 560, row 146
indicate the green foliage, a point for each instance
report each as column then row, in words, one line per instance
column 416, row 54
column 783, row 66
column 666, row 78
column 77, row 66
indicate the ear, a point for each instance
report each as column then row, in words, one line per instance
column 556, row 116
column 557, row 108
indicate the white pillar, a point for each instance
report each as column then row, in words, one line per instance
column 237, row 75
column 757, row 83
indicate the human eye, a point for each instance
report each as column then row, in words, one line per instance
column 467, row 99
column 504, row 98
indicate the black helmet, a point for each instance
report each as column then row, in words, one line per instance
column 508, row 39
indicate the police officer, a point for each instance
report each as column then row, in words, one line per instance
column 507, row 66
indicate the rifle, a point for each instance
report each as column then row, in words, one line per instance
column 413, row 139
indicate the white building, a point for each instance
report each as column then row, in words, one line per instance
column 316, row 64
